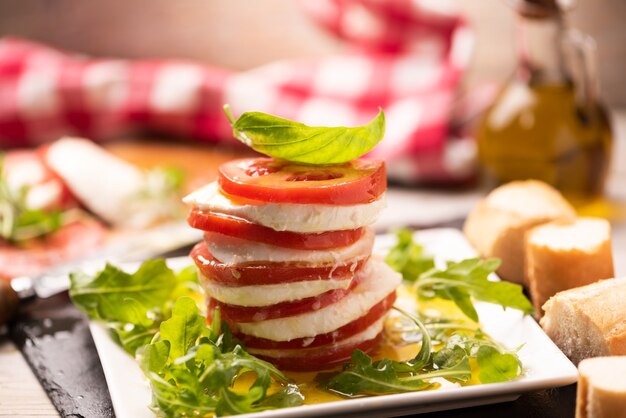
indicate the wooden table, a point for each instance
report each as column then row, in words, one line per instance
column 22, row 396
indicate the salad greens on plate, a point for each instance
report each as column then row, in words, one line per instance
column 198, row 368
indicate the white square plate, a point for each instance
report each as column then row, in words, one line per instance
column 545, row 366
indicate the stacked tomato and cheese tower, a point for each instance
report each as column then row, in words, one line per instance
column 287, row 257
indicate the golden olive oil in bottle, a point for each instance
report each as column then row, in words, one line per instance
column 547, row 122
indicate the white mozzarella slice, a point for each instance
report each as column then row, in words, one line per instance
column 369, row 333
column 234, row 251
column 378, row 281
column 271, row 294
column 303, row 218
column 102, row 182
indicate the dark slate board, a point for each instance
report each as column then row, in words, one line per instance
column 54, row 338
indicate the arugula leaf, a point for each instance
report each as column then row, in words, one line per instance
column 183, row 328
column 115, row 295
column 294, row 141
column 496, row 366
column 408, row 257
column 134, row 305
column 466, row 278
column 193, row 369
column 461, row 282
column 363, row 376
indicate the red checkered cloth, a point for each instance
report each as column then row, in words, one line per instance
column 403, row 56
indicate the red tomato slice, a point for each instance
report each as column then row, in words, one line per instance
column 348, row 330
column 234, row 313
column 71, row 241
column 321, row 358
column 277, row 181
column 242, row 228
column 267, row 273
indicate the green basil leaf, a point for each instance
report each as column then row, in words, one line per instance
column 294, row 141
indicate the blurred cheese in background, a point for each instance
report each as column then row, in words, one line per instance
column 115, row 190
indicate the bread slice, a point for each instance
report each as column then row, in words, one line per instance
column 561, row 256
column 498, row 224
column 602, row 388
column 588, row 321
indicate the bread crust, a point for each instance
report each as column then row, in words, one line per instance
column 599, row 394
column 498, row 224
column 588, row 321
column 551, row 268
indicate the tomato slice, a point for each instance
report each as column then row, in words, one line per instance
column 348, row 330
column 28, row 168
column 235, row 313
column 242, row 228
column 321, row 358
column 267, row 273
column 278, row 181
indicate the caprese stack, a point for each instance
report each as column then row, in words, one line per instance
column 287, row 258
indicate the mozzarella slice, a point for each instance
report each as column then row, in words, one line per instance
column 369, row 333
column 379, row 281
column 234, row 251
column 104, row 183
column 271, row 294
column 303, row 218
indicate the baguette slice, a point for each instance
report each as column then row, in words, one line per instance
column 561, row 256
column 498, row 224
column 588, row 321
column 602, row 388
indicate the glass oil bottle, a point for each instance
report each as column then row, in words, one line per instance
column 547, row 123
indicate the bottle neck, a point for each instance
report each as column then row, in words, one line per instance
column 540, row 51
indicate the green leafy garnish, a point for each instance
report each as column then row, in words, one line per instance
column 294, row 141
column 196, row 369
column 363, row 376
column 193, row 369
column 18, row 222
column 408, row 257
column 461, row 282
column 496, row 366
column 460, row 348
column 133, row 305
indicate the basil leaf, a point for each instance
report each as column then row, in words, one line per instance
column 294, row 141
